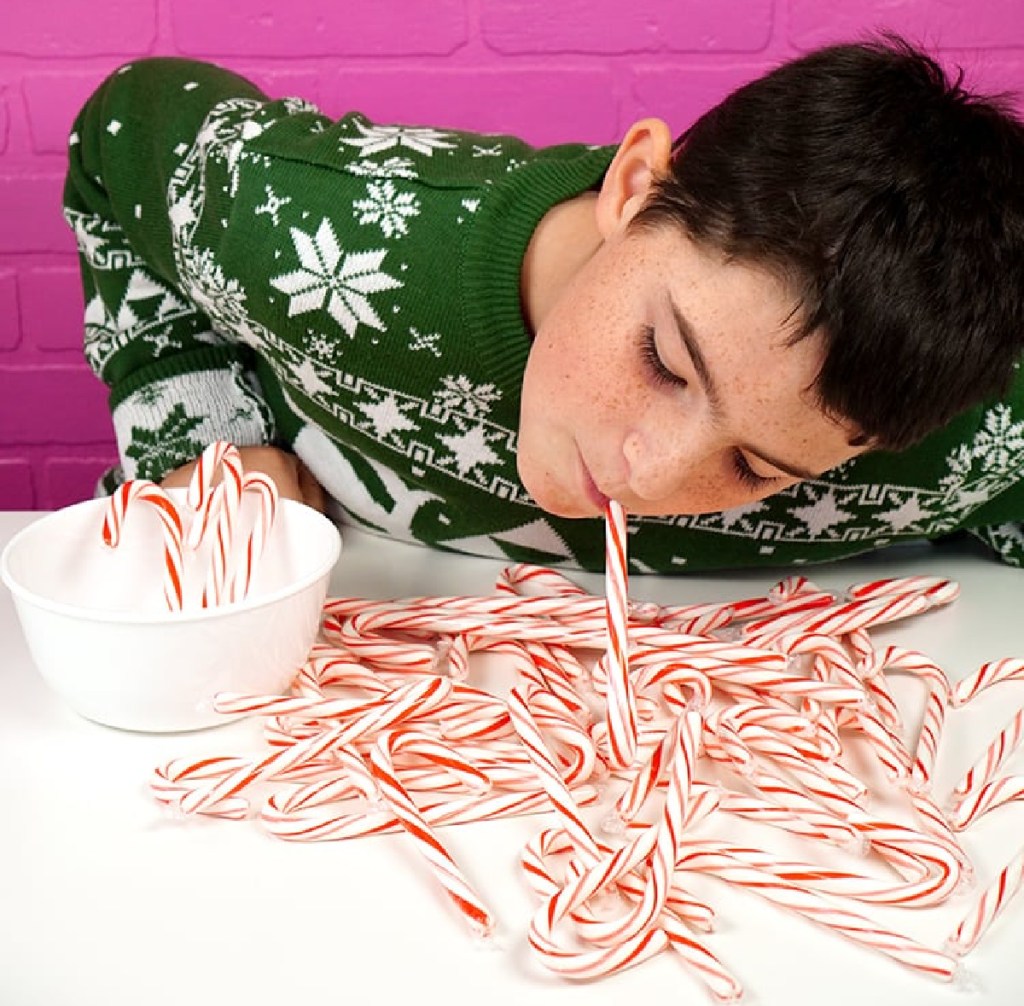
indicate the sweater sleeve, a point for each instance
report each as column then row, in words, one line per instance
column 177, row 378
column 1006, row 540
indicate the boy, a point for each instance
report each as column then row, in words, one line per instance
column 782, row 339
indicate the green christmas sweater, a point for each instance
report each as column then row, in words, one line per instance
column 256, row 272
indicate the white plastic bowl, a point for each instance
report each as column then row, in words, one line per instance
column 99, row 631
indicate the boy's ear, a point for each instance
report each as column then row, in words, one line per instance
column 644, row 154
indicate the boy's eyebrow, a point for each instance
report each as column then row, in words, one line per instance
column 707, row 383
column 700, row 365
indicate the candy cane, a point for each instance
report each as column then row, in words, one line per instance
column 988, row 907
column 445, row 869
column 991, row 673
column 622, row 725
column 199, row 495
column 776, row 711
column 549, row 776
column 170, row 523
column 1006, row 742
column 937, row 700
column 265, row 491
column 804, row 902
column 980, row 801
column 225, row 501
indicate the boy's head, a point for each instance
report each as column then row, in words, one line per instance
column 831, row 259
column 893, row 202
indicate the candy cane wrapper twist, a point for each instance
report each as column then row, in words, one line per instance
column 170, row 523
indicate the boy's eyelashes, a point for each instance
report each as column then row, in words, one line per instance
column 660, row 373
column 653, row 362
column 746, row 474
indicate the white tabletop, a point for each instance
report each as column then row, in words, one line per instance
column 105, row 900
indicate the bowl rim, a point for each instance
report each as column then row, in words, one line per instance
column 163, row 617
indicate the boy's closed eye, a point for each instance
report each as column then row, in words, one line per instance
column 661, row 373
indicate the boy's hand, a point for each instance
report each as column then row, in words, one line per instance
column 293, row 479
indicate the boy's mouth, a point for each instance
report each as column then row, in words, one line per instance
column 590, row 488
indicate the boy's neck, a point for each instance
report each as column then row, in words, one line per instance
column 564, row 240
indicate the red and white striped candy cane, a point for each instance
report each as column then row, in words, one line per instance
column 815, row 907
column 199, row 494
column 988, row 907
column 445, row 869
column 208, row 466
column 524, row 578
column 991, row 673
column 978, row 802
column 550, row 778
column 870, row 670
column 404, row 703
column 621, row 706
column 939, row 589
column 758, row 809
column 788, row 797
column 1006, row 742
column 675, row 816
column 572, row 961
column 263, row 487
column 219, row 504
column 170, row 522
column 570, row 903
column 440, row 812
column 844, row 618
column 936, row 703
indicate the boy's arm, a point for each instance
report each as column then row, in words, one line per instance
column 176, row 382
column 1006, row 540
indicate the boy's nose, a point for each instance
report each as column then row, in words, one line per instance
column 660, row 464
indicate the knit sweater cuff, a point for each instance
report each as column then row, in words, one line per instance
column 167, row 422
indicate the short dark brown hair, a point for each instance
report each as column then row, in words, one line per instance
column 893, row 200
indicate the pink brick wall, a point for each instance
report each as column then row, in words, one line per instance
column 548, row 70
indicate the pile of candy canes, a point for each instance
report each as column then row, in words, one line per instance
column 212, row 508
column 384, row 731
